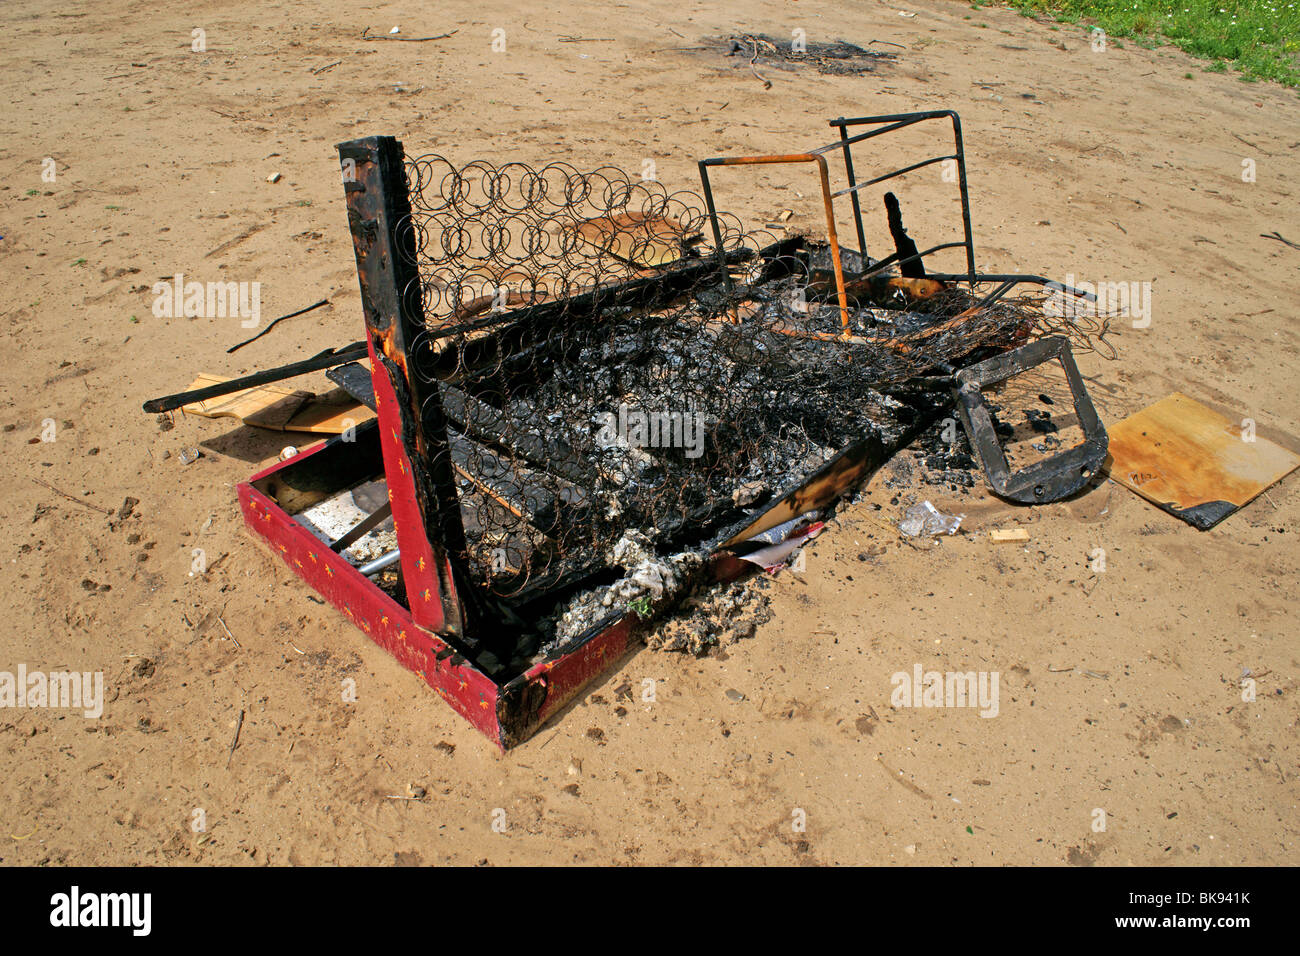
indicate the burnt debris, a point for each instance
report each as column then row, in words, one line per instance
column 838, row 58
column 593, row 392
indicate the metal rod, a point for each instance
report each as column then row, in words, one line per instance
column 898, row 121
column 1001, row 277
column 893, row 258
column 363, row 527
column 890, row 117
column 965, row 195
column 897, row 172
column 824, row 174
column 859, row 137
column 717, row 229
column 995, row 295
column 381, row 562
column 853, row 192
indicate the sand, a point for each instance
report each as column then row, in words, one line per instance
column 1120, row 697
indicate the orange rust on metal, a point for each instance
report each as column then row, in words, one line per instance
column 909, row 346
column 831, row 235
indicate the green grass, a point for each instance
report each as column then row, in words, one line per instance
column 1260, row 39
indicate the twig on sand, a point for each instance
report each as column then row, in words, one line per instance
column 1277, row 236
column 84, row 504
column 240, row 345
column 222, row 621
column 327, row 66
column 239, row 725
column 767, row 84
column 737, row 43
column 367, row 35
column 231, row 243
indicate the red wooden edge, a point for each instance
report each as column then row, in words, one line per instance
column 507, row 715
column 470, row 693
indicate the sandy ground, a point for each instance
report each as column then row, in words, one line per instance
column 1110, row 166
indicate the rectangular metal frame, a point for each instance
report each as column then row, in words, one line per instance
column 1049, row 479
column 886, row 123
column 832, row 235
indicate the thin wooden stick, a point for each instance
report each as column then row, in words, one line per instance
column 239, row 725
column 84, row 504
column 366, row 35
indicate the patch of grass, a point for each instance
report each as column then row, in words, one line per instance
column 1258, row 38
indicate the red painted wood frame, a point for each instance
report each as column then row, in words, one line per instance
column 508, row 714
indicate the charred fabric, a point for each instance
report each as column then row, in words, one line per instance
column 608, row 390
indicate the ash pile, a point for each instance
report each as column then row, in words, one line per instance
column 837, row 58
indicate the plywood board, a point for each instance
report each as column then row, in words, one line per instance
column 273, row 404
column 1192, row 462
column 279, row 408
column 325, row 415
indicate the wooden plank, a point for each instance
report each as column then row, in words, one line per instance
column 846, row 470
column 274, row 405
column 1193, row 462
column 426, row 508
column 278, row 408
column 328, row 414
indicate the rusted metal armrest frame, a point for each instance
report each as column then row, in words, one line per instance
column 887, row 124
column 881, row 125
column 831, row 235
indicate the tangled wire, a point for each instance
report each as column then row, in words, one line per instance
column 605, row 367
